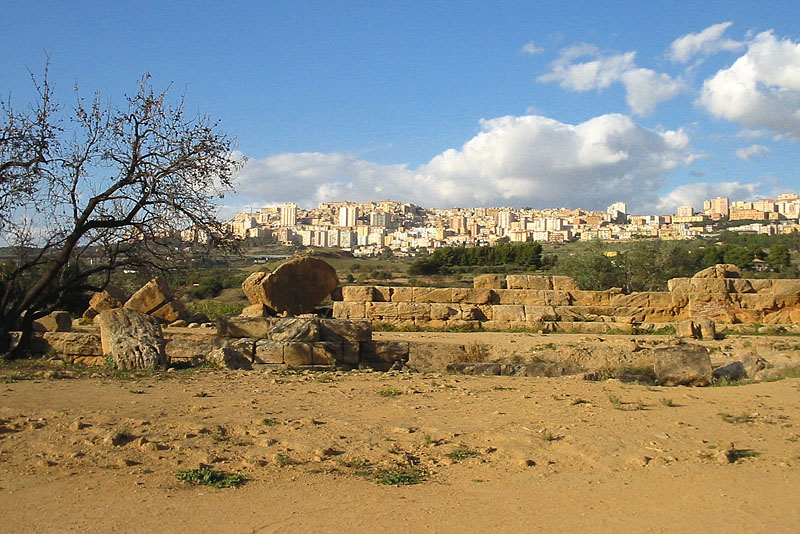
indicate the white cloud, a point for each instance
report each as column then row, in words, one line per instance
column 752, row 151
column 644, row 88
column 761, row 89
column 514, row 160
column 708, row 41
column 532, row 49
column 695, row 194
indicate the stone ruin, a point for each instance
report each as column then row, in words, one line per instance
column 556, row 304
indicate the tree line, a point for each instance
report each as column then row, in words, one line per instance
column 520, row 255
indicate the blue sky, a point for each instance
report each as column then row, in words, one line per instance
column 542, row 104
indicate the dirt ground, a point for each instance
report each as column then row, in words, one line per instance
column 101, row 453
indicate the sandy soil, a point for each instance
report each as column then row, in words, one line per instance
column 100, row 454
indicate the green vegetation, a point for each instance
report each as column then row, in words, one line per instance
column 520, row 255
column 399, row 476
column 390, row 391
column 208, row 477
column 737, row 419
column 462, row 453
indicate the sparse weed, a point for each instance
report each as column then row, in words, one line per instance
column 390, row 391
column 626, row 406
column 547, row 435
column 737, row 419
column 399, row 476
column 669, row 403
column 269, row 421
column 462, row 453
column 208, row 477
column 282, row 460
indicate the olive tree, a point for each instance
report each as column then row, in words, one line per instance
column 98, row 187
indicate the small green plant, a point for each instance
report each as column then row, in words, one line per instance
column 269, row 421
column 669, row 403
column 737, row 419
column 462, row 453
column 282, row 460
column 626, row 406
column 547, row 435
column 202, row 394
column 324, row 378
column 208, row 477
column 615, row 402
column 737, row 454
column 390, row 391
column 399, row 476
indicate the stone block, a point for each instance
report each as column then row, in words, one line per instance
column 132, row 339
column 641, row 300
column 470, row 312
column 344, row 330
column 182, row 349
column 709, row 285
column 268, row 351
column 383, row 293
column 590, row 298
column 564, row 283
column 527, row 281
column 381, row 310
column 540, row 314
column 255, row 310
column 679, row 285
column 786, row 286
column 349, row 310
column 305, row 329
column 57, row 321
column 403, row 294
column 384, row 351
column 740, row 285
column 73, row 343
column 473, row 296
column 254, row 327
column 170, row 311
column 295, row 287
column 512, row 313
column 358, row 293
column 557, row 298
column 351, row 351
column 444, row 312
column 298, row 354
column 228, row 357
column 150, row 297
column 719, row 271
column 757, row 301
column 761, row 285
column 487, row 281
column 432, row 294
column 682, row 365
column 326, row 353
column 108, row 299
column 413, row 310
column 659, row 300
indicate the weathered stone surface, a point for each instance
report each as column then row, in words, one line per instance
column 487, row 281
column 132, row 339
column 754, row 364
column 384, row 351
column 150, row 297
column 473, row 296
column 721, row 270
column 268, row 351
column 108, row 299
column 298, row 354
column 564, row 283
column 527, row 281
column 171, row 311
column 402, row 294
column 682, row 365
column 432, row 294
column 189, row 350
column 351, row 353
column 228, row 357
column 304, row 329
column 731, row 371
column 512, row 313
column 699, row 328
column 74, row 343
column 358, row 293
column 342, row 330
column 381, row 310
column 254, row 327
column 57, row 321
column 295, row 287
column 443, row 312
column 349, row 310
column 326, row 353
column 256, row 310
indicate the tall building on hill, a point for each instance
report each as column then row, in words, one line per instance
column 289, row 215
column 348, row 216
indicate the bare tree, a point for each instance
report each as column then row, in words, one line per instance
column 101, row 187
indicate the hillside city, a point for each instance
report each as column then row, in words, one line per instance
column 367, row 229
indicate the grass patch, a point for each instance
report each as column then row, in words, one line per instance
column 476, row 352
column 462, row 453
column 399, row 476
column 737, row 419
column 282, row 460
column 547, row 435
column 618, row 404
column 208, row 477
column 269, row 421
column 214, row 309
column 738, row 454
column 669, row 403
column 390, row 391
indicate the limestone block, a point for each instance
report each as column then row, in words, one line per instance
column 432, row 294
column 510, row 296
column 383, row 293
column 756, row 301
column 384, row 351
column 74, row 343
column 170, row 311
column 527, row 281
column 326, row 353
column 709, row 285
column 413, row 310
column 761, row 285
column 786, row 287
column 182, row 349
column 471, row 312
column 539, row 314
column 57, row 321
column 787, row 300
column 564, row 283
column 226, row 357
column 349, row 310
column 679, row 285
column 254, row 327
column 403, row 294
column 255, row 310
column 344, row 330
column 740, row 285
column 295, row 287
column 784, row 316
column 443, row 312
column 682, row 365
column 304, row 329
column 557, row 298
column 150, row 297
column 351, row 351
column 721, row 270
column 381, row 310
column 246, row 346
column 640, row 300
column 358, row 293
column 298, row 354
column 108, row 299
column 132, row 339
column 487, row 281
column 268, row 351
column 512, row 313
column 660, row 300
column 473, row 296
column 590, row 298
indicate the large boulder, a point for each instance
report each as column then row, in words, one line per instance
column 155, row 298
column 721, row 270
column 295, row 287
column 57, row 321
column 108, row 299
column 132, row 339
column 688, row 365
